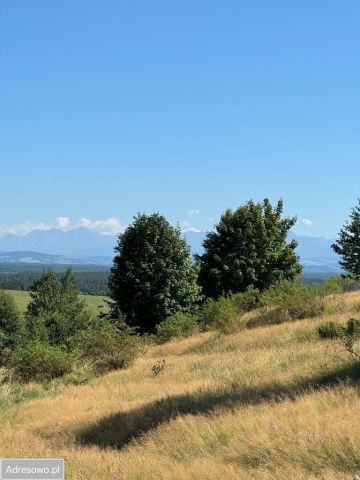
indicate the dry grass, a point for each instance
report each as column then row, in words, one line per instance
column 261, row 404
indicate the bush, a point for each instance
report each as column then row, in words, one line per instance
column 106, row 347
column 353, row 328
column 297, row 300
column 329, row 330
column 269, row 316
column 177, row 326
column 288, row 301
column 333, row 285
column 349, row 284
column 221, row 315
column 246, row 301
column 80, row 374
column 40, row 362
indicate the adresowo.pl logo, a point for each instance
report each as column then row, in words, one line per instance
column 31, row 469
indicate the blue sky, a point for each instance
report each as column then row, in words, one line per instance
column 109, row 108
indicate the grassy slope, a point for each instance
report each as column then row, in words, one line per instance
column 92, row 301
column 244, row 406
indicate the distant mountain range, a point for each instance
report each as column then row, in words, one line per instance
column 48, row 259
column 77, row 242
column 316, row 254
column 81, row 246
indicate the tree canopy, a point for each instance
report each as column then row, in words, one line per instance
column 348, row 244
column 248, row 248
column 55, row 312
column 11, row 325
column 153, row 276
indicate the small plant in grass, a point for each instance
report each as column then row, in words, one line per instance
column 329, row 330
column 80, row 375
column 351, row 337
column 357, row 307
column 179, row 325
column 158, row 367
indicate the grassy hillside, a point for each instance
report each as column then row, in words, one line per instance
column 265, row 403
column 94, row 302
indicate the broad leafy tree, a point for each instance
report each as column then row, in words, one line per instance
column 348, row 244
column 153, row 276
column 248, row 248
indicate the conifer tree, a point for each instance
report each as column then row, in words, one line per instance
column 348, row 244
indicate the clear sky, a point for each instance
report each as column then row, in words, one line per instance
column 184, row 107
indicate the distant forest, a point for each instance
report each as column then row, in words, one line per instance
column 89, row 282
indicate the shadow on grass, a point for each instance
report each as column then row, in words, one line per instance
column 121, row 428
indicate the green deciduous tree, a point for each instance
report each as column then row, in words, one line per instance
column 55, row 312
column 348, row 244
column 153, row 276
column 248, row 248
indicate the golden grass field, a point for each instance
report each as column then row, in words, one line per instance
column 260, row 404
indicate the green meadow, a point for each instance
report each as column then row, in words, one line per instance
column 96, row 303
